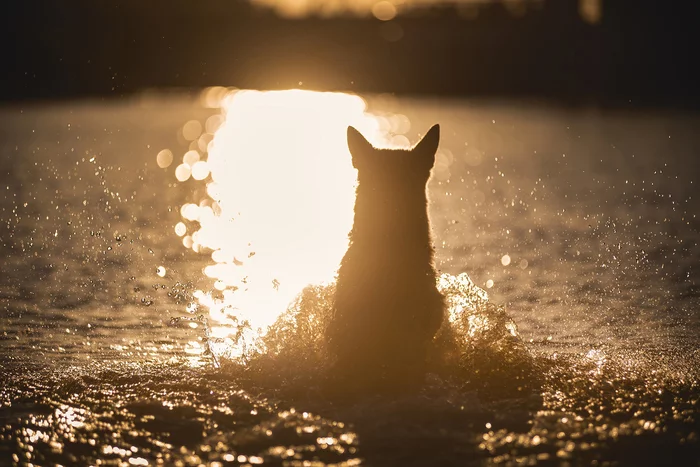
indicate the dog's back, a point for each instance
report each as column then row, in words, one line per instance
column 387, row 307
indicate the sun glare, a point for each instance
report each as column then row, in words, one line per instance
column 279, row 200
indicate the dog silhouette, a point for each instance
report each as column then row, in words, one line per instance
column 387, row 308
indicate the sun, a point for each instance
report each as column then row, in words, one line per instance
column 280, row 189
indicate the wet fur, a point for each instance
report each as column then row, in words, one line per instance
column 387, row 307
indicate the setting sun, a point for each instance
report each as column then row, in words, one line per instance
column 279, row 202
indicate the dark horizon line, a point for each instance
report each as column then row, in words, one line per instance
column 194, row 93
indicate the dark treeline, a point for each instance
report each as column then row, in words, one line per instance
column 641, row 52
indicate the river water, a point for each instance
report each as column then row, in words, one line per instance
column 125, row 341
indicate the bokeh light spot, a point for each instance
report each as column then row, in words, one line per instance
column 190, row 158
column 391, row 31
column 384, row 11
column 200, row 170
column 164, row 158
column 180, row 229
column 191, row 130
column 182, row 172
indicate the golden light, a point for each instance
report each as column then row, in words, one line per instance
column 191, row 130
column 279, row 205
column 183, row 172
column 591, row 10
column 384, row 11
column 164, row 158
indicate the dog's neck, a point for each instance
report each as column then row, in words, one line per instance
column 386, row 223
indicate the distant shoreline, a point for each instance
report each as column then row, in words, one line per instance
column 642, row 53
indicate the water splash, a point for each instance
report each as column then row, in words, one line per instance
column 478, row 346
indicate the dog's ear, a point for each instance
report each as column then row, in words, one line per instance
column 358, row 145
column 429, row 144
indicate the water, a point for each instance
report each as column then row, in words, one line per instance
column 580, row 224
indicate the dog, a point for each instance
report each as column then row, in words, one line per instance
column 387, row 308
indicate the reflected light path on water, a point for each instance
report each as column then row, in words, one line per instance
column 277, row 205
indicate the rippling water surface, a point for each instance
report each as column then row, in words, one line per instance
column 150, row 248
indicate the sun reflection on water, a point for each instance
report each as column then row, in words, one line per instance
column 278, row 201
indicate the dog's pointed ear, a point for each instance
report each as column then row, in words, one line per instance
column 429, row 144
column 358, row 145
